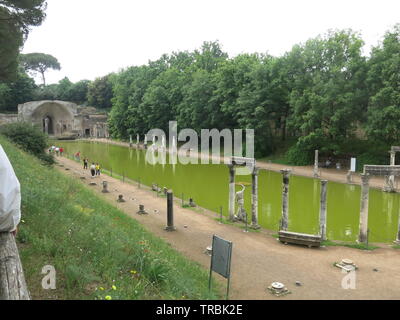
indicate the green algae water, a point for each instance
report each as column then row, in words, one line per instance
column 208, row 185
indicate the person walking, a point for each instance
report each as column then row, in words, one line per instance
column 97, row 169
column 61, row 151
column 85, row 163
column 93, row 169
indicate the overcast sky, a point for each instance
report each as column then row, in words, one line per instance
column 92, row 38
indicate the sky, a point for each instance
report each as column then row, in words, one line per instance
column 91, row 38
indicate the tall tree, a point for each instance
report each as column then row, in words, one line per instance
column 384, row 86
column 39, row 63
column 329, row 93
column 100, row 93
column 16, row 17
column 20, row 90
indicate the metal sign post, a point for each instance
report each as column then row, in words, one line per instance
column 221, row 260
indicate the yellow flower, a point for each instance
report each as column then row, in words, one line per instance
column 114, row 287
column 133, row 271
column 108, row 298
column 101, row 288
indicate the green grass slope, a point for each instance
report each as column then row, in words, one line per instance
column 98, row 252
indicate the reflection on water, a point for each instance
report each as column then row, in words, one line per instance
column 208, row 186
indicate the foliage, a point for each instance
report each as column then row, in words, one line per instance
column 20, row 90
column 29, row 138
column 39, row 63
column 16, row 17
column 64, row 90
column 100, row 93
column 97, row 250
column 384, row 84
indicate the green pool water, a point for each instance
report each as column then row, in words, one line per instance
column 208, row 186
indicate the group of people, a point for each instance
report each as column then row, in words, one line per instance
column 94, row 168
column 56, row 150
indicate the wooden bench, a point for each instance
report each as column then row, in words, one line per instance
column 309, row 240
column 12, row 280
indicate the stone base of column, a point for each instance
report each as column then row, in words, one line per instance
column 362, row 239
column 255, row 226
column 169, row 229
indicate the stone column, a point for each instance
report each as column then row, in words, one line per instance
column 285, row 199
column 362, row 237
column 349, row 177
column 254, row 199
column 170, row 212
column 392, row 163
column 231, row 205
column 322, row 210
column 316, row 173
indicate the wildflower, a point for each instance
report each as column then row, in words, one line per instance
column 133, row 271
column 108, row 298
column 101, row 288
column 114, row 287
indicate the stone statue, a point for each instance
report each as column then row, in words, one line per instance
column 46, row 125
column 241, row 212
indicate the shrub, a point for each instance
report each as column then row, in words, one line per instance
column 302, row 153
column 374, row 157
column 29, row 138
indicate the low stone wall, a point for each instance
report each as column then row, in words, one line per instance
column 8, row 118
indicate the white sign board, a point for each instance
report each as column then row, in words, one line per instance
column 353, row 165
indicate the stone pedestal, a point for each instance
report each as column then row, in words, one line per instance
column 141, row 209
column 121, row 198
column 105, row 187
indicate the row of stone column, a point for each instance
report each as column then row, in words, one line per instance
column 364, row 202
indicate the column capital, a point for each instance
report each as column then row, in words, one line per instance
column 286, row 171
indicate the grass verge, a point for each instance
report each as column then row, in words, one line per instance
column 98, row 252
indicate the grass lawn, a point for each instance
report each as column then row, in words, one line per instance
column 98, row 252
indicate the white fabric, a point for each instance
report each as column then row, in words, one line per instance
column 10, row 195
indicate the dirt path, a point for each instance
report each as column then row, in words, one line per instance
column 306, row 171
column 258, row 258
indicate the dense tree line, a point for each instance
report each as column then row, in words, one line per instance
column 321, row 92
